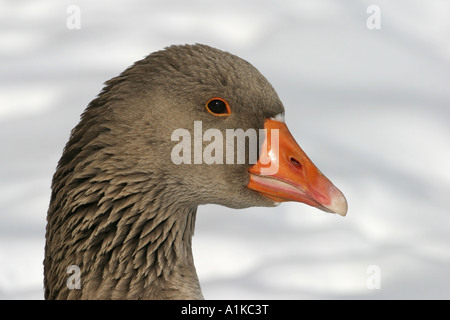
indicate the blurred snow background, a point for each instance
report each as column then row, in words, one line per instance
column 370, row 107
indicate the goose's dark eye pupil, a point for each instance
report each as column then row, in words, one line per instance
column 217, row 106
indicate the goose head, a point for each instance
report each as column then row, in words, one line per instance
column 172, row 132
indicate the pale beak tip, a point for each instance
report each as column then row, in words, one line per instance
column 338, row 203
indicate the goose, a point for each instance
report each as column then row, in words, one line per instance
column 123, row 207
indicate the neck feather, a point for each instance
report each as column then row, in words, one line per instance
column 121, row 223
column 127, row 244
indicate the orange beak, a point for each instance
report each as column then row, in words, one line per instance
column 285, row 173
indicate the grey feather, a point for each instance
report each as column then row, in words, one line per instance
column 120, row 209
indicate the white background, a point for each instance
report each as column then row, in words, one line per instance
column 370, row 107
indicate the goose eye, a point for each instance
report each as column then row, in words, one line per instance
column 218, row 107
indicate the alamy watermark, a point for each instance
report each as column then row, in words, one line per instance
column 74, row 280
column 73, row 21
column 373, row 281
column 373, row 21
column 189, row 150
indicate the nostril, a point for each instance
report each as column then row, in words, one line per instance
column 296, row 163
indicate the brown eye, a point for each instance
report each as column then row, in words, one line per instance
column 218, row 107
